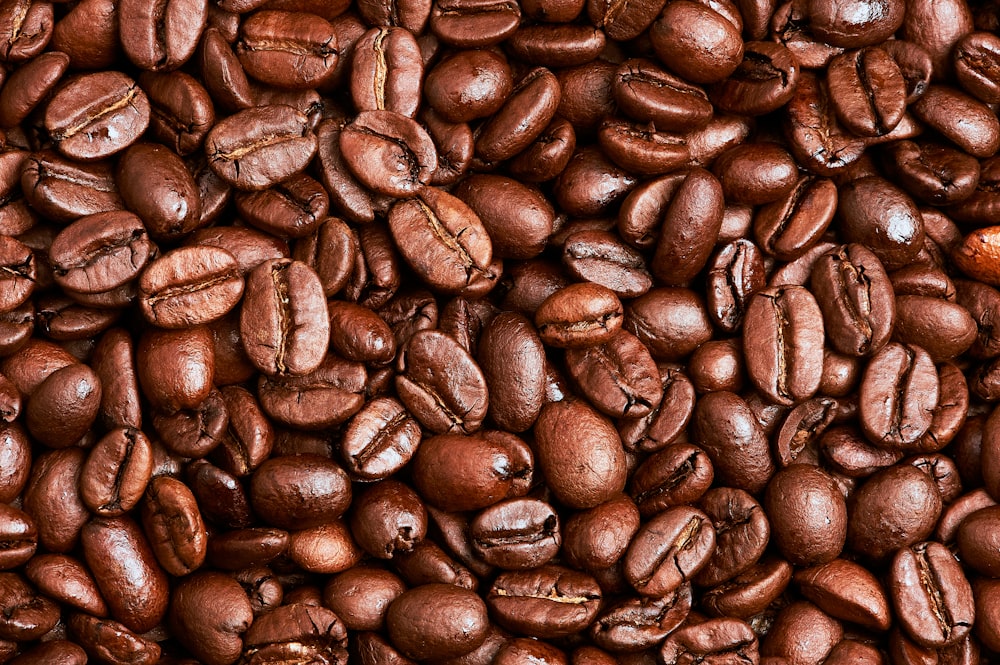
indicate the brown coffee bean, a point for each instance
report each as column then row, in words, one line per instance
column 669, row 550
column 209, row 611
column 931, row 596
column 130, row 579
column 516, row 534
column 619, row 377
column 896, row 508
column 723, row 638
column 190, row 286
column 810, row 526
column 899, row 391
column 279, row 145
column 847, row 591
column 579, row 316
column 284, row 321
column 437, row 621
column 287, row 49
column 299, row 491
column 550, row 601
column 96, row 115
column 64, row 406
column 389, row 153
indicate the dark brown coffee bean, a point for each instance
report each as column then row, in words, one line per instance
column 546, row 156
column 116, row 472
column 579, row 316
column 474, row 23
column 361, row 596
column 931, row 595
column 516, row 534
column 213, row 635
column 181, row 110
column 669, row 550
column 173, row 524
column 598, row 538
column 978, row 133
column 868, row 91
column 690, row 228
column 619, row 377
column 64, row 406
column 161, row 37
column 27, row 615
column 680, row 473
column 640, row 623
column 808, row 515
column 789, row 319
column 896, row 508
column 287, row 49
column 29, row 85
column 742, row 532
column 284, row 321
column 728, row 639
column 96, row 115
column 387, row 71
column 516, row 389
column 388, row 518
column 696, row 42
column 899, row 392
column 468, row 85
column 854, row 293
column 297, row 630
column 579, row 484
column 550, row 601
column 388, row 152
column 100, row 252
column 801, row 632
column 131, row 581
column 789, row 226
column 734, row 441
column 279, row 144
column 190, row 286
column 847, row 591
column 641, row 149
column 764, row 81
column 300, row 491
column 323, row 398
column 437, row 621
column 526, row 113
column 648, row 94
column 65, row 190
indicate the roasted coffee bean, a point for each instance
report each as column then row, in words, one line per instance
column 388, row 153
column 734, row 440
column 807, row 496
column 190, row 286
column 549, row 601
column 867, row 90
column 284, row 321
column 787, row 320
column 789, row 226
column 716, row 638
column 279, row 145
column 669, row 550
column 100, row 252
column 931, row 595
column 641, row 623
column 895, row 508
column 96, row 115
column 287, row 49
column 899, row 392
column 516, row 534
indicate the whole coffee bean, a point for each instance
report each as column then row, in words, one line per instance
column 680, row 473
column 896, row 508
column 279, row 144
column 389, row 153
column 597, row 538
column 443, row 240
column 764, row 81
column 756, row 173
column 550, row 601
column 468, row 85
column 284, row 321
column 361, row 596
column 130, row 579
column 789, row 226
column 473, row 23
column 868, row 91
column 516, row 389
column 697, row 42
column 441, row 384
column 899, row 391
column 730, row 639
column 174, row 526
column 190, row 286
column 734, row 441
column 388, row 518
column 857, row 300
column 96, row 115
column 19, row 537
column 116, row 472
column 975, row 536
column 579, row 316
column 176, row 367
column 100, row 252
column 65, row 190
column 297, row 630
column 437, row 621
column 802, row 633
column 845, row 590
column 66, row 580
column 666, row 422
column 742, row 533
column 931, row 595
column 786, row 321
column 299, row 491
column 669, row 550
column 690, row 228
column 64, row 406
column 379, row 440
column 213, row 635
column 390, row 59
column 516, row 534
column 979, row 132
column 987, row 626
column 525, row 114
column 649, row 94
column 619, row 376
column 810, row 527
column 181, row 110
column 450, row 473
column 287, row 49
column 751, row 591
column 587, row 469
column 111, row 641
column 634, row 624
column 943, row 329
column 27, row 615
column 162, row 37
column 323, row 398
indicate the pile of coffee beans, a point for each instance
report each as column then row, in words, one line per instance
column 513, row 332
